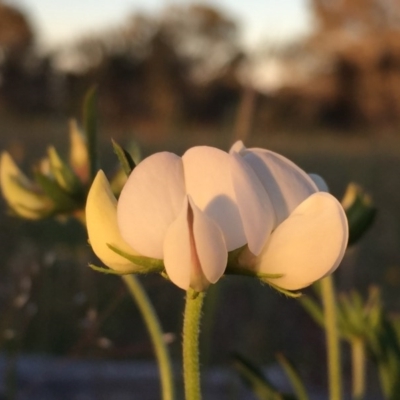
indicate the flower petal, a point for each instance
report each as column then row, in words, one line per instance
column 209, row 183
column 178, row 250
column 319, row 182
column 78, row 154
column 209, row 244
column 286, row 184
column 19, row 191
column 308, row 245
column 101, row 222
column 150, row 201
column 255, row 207
column 195, row 254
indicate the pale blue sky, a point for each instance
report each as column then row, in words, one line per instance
column 58, row 21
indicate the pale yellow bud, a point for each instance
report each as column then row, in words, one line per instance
column 101, row 221
column 20, row 193
column 79, row 156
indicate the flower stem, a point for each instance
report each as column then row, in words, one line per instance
column 358, row 367
column 153, row 325
column 332, row 338
column 191, row 329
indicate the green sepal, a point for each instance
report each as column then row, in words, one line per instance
column 288, row 293
column 150, row 264
column 62, row 200
column 134, row 270
column 63, row 174
column 124, row 158
column 106, row 270
column 192, row 294
column 90, row 128
column 294, row 378
column 235, row 270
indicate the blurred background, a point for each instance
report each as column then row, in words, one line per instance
column 316, row 80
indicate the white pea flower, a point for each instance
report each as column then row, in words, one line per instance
column 187, row 211
column 190, row 211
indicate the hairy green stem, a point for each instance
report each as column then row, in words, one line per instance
column 191, row 329
column 358, row 368
column 332, row 338
column 153, row 325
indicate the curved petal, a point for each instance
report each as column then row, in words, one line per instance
column 255, row 207
column 308, row 245
column 319, row 182
column 195, row 254
column 150, row 200
column 209, row 244
column 19, row 191
column 178, row 250
column 208, row 182
column 237, row 147
column 78, row 153
column 286, row 184
column 101, row 222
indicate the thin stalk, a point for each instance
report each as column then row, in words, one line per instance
column 332, row 338
column 358, row 368
column 191, row 329
column 153, row 325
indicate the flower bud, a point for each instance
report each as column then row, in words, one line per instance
column 20, row 193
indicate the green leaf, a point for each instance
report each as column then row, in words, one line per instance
column 124, row 158
column 360, row 211
column 63, row 174
column 294, row 377
column 62, row 200
column 90, row 128
column 105, row 270
column 148, row 264
column 253, row 377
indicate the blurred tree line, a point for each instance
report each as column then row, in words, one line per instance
column 156, row 72
column 353, row 60
column 183, row 67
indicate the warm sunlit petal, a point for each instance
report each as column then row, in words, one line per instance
column 78, row 156
column 210, row 245
column 178, row 249
column 195, row 254
column 208, row 181
column 286, row 184
column 19, row 192
column 150, row 201
column 307, row 245
column 101, row 221
column 255, row 207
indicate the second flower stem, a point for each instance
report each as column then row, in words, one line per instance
column 191, row 329
column 153, row 325
column 358, row 366
column 332, row 338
